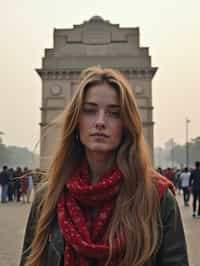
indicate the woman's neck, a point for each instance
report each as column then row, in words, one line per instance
column 99, row 164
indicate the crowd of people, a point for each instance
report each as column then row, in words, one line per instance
column 18, row 184
column 186, row 180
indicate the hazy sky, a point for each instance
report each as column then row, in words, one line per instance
column 170, row 28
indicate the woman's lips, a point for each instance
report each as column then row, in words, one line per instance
column 99, row 135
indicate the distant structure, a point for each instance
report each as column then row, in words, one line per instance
column 94, row 42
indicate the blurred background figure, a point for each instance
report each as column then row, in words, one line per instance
column 4, row 182
column 17, row 175
column 169, row 174
column 11, row 185
column 29, row 185
column 185, row 182
column 195, row 188
column 24, row 185
column 177, row 180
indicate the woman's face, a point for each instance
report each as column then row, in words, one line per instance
column 100, row 124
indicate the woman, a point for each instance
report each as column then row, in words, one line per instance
column 103, row 205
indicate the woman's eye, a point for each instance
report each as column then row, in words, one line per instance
column 89, row 111
column 114, row 114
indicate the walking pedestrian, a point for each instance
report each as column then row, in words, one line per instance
column 185, row 184
column 178, row 181
column 195, row 188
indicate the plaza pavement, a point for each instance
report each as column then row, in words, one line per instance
column 13, row 218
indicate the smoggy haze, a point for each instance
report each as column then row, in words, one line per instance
column 171, row 29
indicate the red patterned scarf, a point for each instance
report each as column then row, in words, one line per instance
column 85, row 234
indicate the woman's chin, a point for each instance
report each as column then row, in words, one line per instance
column 99, row 148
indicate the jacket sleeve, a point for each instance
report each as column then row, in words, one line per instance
column 173, row 249
column 31, row 225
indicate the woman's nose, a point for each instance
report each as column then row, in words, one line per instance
column 100, row 122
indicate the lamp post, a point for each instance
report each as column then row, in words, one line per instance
column 187, row 141
column 159, row 157
column 172, row 152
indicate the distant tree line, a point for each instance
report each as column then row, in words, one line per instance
column 14, row 156
column 174, row 155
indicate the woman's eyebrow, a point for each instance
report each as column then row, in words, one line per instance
column 109, row 105
column 113, row 105
column 90, row 103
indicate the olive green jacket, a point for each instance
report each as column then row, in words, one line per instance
column 172, row 249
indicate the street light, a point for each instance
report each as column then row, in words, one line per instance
column 172, row 152
column 159, row 157
column 187, row 141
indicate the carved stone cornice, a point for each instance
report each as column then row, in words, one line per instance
column 58, row 74
column 139, row 73
column 46, row 108
column 149, row 108
column 148, row 123
column 65, row 74
column 45, row 124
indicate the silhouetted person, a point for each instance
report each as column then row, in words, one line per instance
column 4, row 181
column 11, row 184
column 18, row 173
column 169, row 174
column 195, row 185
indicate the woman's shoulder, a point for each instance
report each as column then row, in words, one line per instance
column 168, row 206
column 169, row 198
column 162, row 184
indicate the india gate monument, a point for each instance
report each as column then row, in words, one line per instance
column 94, row 42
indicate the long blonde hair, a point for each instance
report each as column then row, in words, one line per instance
column 137, row 204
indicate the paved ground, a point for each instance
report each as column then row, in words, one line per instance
column 13, row 218
column 192, row 231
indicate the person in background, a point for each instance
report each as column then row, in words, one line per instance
column 169, row 174
column 24, row 184
column 11, row 185
column 177, row 180
column 17, row 175
column 159, row 170
column 185, row 183
column 195, row 188
column 29, row 185
column 4, row 182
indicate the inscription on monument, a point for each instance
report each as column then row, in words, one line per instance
column 96, row 37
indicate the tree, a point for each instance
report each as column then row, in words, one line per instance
column 1, row 140
column 176, row 153
column 14, row 156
